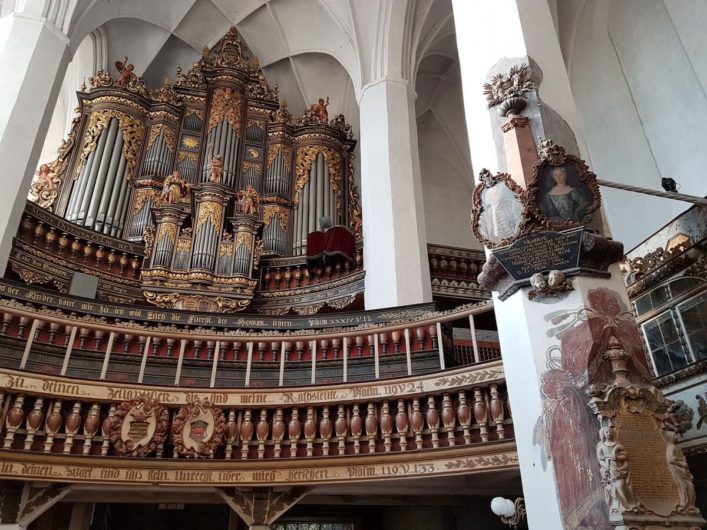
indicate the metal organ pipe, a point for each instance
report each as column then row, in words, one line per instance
column 90, row 168
column 99, row 202
column 93, row 185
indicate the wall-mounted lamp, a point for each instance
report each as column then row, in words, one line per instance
column 510, row 512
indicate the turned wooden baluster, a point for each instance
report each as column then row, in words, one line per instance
column 418, row 422
column 310, row 430
column 90, row 426
column 71, row 427
column 448, row 418
column 464, row 415
column 421, row 337
column 246, row 433
column 52, row 425
column 262, row 348
column 386, row 426
column 274, row 348
column 359, row 345
column 336, row 346
column 371, row 424
column 299, row 347
column 356, row 428
column 480, row 413
column 34, row 422
column 231, row 433
column 402, row 424
column 496, row 407
column 13, row 420
column 341, row 429
column 261, row 432
column 53, row 331
column 324, row 348
column 278, row 431
column 325, row 429
column 384, row 341
column 432, row 417
column 396, row 341
column 294, row 430
column 105, row 430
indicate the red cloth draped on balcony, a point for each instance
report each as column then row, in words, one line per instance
column 337, row 241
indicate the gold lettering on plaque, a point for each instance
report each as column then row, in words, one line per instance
column 645, row 446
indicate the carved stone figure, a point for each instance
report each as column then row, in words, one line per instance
column 615, row 473
column 248, row 200
column 681, row 474
column 173, row 189
column 127, row 76
column 216, row 168
column 555, row 283
column 678, row 417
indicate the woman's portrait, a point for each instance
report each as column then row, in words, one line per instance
column 562, row 195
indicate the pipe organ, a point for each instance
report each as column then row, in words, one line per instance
column 210, row 172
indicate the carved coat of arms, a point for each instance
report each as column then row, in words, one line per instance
column 197, row 429
column 138, row 427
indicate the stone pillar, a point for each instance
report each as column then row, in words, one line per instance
column 558, row 333
column 395, row 255
column 33, row 59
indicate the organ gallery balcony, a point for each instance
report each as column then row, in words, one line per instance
column 361, row 396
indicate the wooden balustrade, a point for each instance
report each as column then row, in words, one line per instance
column 292, row 273
column 460, row 417
column 78, row 247
column 91, row 348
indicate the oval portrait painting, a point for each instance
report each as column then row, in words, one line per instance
column 497, row 211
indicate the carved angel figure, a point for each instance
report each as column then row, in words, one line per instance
column 615, row 472
column 216, row 168
column 681, row 474
column 319, row 110
column 173, row 188
column 248, row 200
column 126, row 72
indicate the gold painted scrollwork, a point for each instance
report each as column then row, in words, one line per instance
column 142, row 196
column 169, row 134
column 169, row 231
column 46, row 185
column 271, row 211
column 255, row 166
column 132, row 129
column 225, row 249
column 303, row 164
column 279, row 149
column 209, row 210
column 229, row 103
column 244, row 238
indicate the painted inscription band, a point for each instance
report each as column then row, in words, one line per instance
column 389, row 389
column 495, row 456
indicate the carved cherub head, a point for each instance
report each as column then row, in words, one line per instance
column 538, row 281
column 555, row 278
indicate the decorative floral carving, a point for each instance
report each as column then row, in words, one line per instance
column 498, row 210
column 100, row 80
column 282, row 150
column 169, row 134
column 229, row 103
column 197, row 429
column 49, row 178
column 260, row 90
column 194, row 78
column 166, row 94
column 515, row 83
column 304, row 159
column 281, row 115
column 282, row 214
column 139, row 427
column 211, row 211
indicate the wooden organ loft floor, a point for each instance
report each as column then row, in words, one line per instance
column 444, row 503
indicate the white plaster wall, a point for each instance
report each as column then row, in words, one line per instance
column 637, row 70
column 446, row 185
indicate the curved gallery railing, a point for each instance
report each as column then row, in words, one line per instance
column 55, row 429
column 231, row 352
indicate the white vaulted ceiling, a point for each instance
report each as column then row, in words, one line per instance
column 310, row 49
